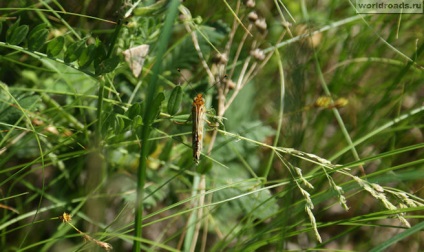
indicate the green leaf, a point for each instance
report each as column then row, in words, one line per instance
column 37, row 37
column 10, row 112
column 12, row 27
column 55, row 46
column 256, row 201
column 17, row 34
column 204, row 166
column 137, row 124
column 182, row 55
column 156, row 107
column 74, row 51
column 107, row 66
column 153, row 9
column 134, row 110
column 99, row 53
column 165, row 153
column 86, row 56
column 119, row 125
column 174, row 101
column 1, row 27
column 37, row 28
column 261, row 204
column 107, row 124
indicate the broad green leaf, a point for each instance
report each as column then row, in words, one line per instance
column 134, row 110
column 260, row 204
column 74, row 51
column 1, row 27
column 255, row 200
column 174, row 101
column 107, row 66
column 155, row 108
column 37, row 37
column 29, row 102
column 10, row 112
column 86, row 56
column 37, row 28
column 17, row 35
column 11, row 29
column 55, row 46
column 99, row 53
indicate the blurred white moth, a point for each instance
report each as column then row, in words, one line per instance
column 135, row 58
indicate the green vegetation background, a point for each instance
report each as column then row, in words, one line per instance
column 317, row 144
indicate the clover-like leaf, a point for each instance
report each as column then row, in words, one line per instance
column 17, row 34
column 74, row 51
column 86, row 56
column 55, row 46
column 174, row 101
column 107, row 65
column 37, row 37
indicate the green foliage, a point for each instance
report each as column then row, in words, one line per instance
column 55, row 46
column 134, row 110
column 152, row 9
column 86, row 56
column 74, row 51
column 107, row 65
column 183, row 55
column 155, row 107
column 100, row 53
column 16, row 33
column 174, row 102
column 14, row 106
column 258, row 204
column 37, row 37
column 78, row 133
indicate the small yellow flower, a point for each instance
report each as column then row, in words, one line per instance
column 66, row 217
